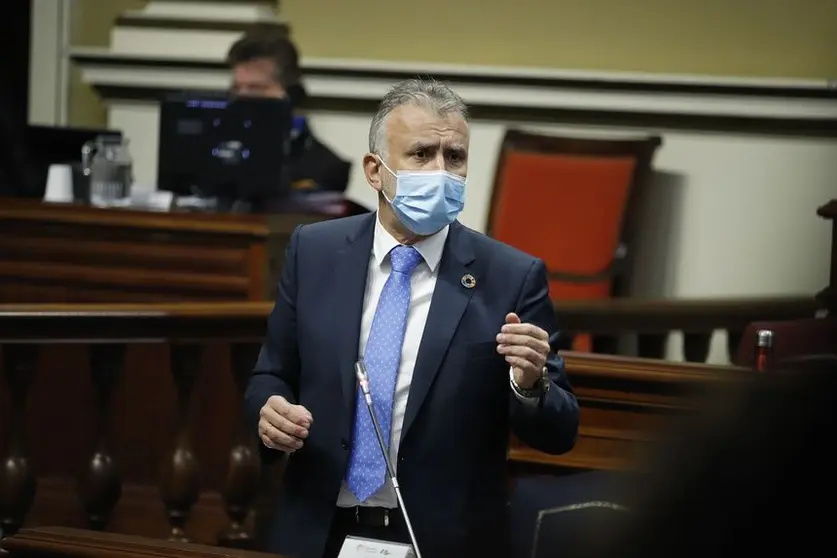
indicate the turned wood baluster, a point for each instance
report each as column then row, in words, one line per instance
column 17, row 479
column 181, row 471
column 733, row 341
column 102, row 486
column 696, row 346
column 242, row 482
column 652, row 345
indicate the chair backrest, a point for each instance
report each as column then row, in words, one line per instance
column 791, row 339
column 559, row 526
column 568, row 201
column 549, row 514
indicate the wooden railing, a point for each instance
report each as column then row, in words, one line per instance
column 127, row 417
column 697, row 319
column 160, row 389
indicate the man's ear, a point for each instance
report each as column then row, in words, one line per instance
column 372, row 169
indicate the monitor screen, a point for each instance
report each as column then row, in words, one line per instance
column 217, row 147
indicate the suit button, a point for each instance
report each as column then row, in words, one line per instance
column 344, row 444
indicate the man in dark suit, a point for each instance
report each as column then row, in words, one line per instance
column 265, row 63
column 455, row 330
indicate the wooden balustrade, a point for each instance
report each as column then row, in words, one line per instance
column 131, row 425
column 697, row 319
column 146, row 436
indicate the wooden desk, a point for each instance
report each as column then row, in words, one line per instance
column 71, row 253
column 64, row 542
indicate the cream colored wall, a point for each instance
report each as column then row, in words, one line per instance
column 776, row 38
column 787, row 38
column 90, row 26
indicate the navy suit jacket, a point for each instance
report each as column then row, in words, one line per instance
column 452, row 457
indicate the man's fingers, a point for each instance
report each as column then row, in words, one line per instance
column 283, row 426
column 512, row 318
column 528, row 353
column 525, row 329
column 518, row 362
column 295, row 413
column 277, row 439
column 278, row 404
column 279, row 422
column 525, row 340
column 299, row 415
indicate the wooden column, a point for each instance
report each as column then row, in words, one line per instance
column 102, row 486
column 17, row 477
column 242, row 484
column 181, row 471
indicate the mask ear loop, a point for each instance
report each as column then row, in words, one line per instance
column 381, row 159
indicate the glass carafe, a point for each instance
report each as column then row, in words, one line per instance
column 108, row 166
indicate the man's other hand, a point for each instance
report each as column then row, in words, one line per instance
column 526, row 348
column 283, row 426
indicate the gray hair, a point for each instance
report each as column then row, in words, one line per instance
column 427, row 93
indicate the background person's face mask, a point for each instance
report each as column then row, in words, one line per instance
column 426, row 201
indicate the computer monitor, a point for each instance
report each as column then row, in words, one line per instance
column 211, row 146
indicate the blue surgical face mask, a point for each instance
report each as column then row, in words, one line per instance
column 427, row 201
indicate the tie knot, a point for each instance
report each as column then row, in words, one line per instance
column 404, row 259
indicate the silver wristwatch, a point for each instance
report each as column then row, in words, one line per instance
column 539, row 389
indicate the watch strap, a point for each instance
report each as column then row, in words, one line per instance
column 540, row 388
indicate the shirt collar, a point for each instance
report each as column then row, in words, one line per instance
column 430, row 248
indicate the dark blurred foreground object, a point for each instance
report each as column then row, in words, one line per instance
column 754, row 473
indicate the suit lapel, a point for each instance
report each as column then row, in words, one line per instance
column 450, row 298
column 350, row 271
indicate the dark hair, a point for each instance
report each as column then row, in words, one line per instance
column 269, row 41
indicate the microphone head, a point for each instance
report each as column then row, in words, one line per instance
column 360, row 371
column 362, row 377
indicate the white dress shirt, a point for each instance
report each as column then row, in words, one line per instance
column 422, row 285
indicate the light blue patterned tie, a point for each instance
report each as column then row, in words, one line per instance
column 367, row 468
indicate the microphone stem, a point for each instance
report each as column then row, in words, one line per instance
column 391, row 470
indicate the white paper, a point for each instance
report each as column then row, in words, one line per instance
column 355, row 547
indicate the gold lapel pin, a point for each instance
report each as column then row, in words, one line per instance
column 468, row 281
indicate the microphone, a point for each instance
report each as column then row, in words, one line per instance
column 363, row 380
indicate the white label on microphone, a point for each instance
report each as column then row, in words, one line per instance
column 355, row 547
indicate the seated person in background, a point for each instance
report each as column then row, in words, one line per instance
column 265, row 63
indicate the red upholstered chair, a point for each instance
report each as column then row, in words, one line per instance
column 568, row 201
